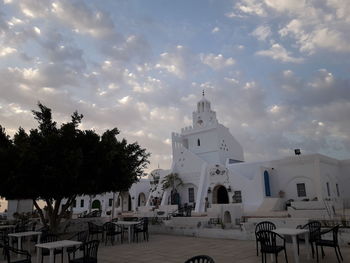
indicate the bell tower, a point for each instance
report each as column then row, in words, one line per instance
column 204, row 116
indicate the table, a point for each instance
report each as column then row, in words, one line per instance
column 19, row 236
column 7, row 226
column 51, row 246
column 293, row 232
column 129, row 224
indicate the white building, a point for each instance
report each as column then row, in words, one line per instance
column 209, row 160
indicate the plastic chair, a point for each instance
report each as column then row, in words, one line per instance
column 95, row 230
column 329, row 243
column 26, row 257
column 89, row 249
column 314, row 228
column 111, row 230
column 81, row 236
column 200, row 259
column 264, row 225
column 141, row 227
column 269, row 244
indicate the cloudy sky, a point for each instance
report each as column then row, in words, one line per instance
column 275, row 71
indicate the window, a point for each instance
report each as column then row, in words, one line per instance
column 328, row 191
column 190, row 195
column 110, row 201
column 75, row 203
column 337, row 187
column 198, row 142
column 301, row 190
column 237, row 197
column 82, row 203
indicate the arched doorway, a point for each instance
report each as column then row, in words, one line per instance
column 129, row 203
column 220, row 195
column 96, row 204
column 227, row 217
column 141, row 200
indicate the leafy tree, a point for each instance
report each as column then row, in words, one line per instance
column 55, row 163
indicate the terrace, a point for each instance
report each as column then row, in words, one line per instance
column 170, row 248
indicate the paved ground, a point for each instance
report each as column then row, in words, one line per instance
column 166, row 248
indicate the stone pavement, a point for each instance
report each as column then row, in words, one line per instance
column 167, row 248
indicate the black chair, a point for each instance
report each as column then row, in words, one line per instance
column 25, row 257
column 314, row 228
column 46, row 252
column 200, row 259
column 269, row 244
column 89, row 249
column 81, row 236
column 141, row 227
column 329, row 243
column 265, row 225
column 95, row 230
column 111, row 230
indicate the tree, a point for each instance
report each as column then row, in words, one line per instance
column 172, row 181
column 55, row 163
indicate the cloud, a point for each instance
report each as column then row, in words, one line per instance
column 262, row 33
column 215, row 30
column 216, row 62
column 251, row 7
column 278, row 52
column 314, row 26
column 83, row 19
column 4, row 51
column 178, row 62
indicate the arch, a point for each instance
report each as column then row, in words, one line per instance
column 227, row 217
column 220, row 195
column 141, row 200
column 96, row 204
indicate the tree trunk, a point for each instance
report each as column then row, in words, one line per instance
column 54, row 213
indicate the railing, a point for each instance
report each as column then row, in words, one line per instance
column 334, row 222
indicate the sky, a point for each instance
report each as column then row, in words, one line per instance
column 276, row 71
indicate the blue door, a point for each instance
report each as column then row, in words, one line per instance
column 267, row 184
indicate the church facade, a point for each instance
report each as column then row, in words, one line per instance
column 210, row 163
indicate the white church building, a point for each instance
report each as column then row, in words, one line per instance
column 210, row 163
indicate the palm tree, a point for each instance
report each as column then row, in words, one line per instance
column 171, row 181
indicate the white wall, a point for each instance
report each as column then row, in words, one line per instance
column 290, row 172
column 344, row 181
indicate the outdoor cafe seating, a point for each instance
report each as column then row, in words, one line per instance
column 270, row 245
column 89, row 249
column 265, row 225
column 12, row 254
column 333, row 242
